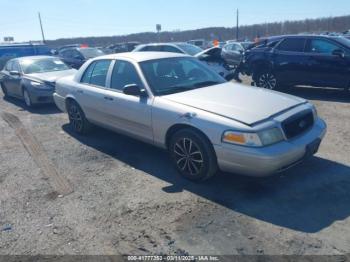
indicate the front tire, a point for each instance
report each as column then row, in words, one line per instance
column 26, row 98
column 193, row 155
column 77, row 118
column 267, row 79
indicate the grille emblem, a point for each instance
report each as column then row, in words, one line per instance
column 302, row 124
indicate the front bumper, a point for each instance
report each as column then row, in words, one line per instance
column 60, row 102
column 40, row 96
column 260, row 162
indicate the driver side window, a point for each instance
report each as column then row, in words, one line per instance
column 124, row 73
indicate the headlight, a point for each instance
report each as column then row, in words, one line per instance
column 39, row 85
column 240, row 138
column 263, row 138
column 271, row 136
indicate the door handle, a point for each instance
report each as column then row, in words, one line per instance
column 108, row 98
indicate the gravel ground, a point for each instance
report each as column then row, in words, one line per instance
column 128, row 199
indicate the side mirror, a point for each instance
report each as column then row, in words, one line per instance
column 134, row 90
column 15, row 73
column 339, row 52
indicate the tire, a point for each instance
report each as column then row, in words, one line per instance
column 26, row 97
column 77, row 119
column 266, row 79
column 4, row 90
column 193, row 155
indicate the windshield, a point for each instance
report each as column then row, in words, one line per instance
column 174, row 75
column 190, row 49
column 32, row 66
column 91, row 52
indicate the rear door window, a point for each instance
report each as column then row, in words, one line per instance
column 292, row 45
column 171, row 49
column 96, row 73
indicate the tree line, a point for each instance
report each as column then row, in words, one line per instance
column 247, row 32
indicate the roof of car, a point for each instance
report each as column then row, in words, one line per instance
column 142, row 56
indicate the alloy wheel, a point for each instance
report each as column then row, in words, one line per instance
column 75, row 117
column 268, row 81
column 189, row 158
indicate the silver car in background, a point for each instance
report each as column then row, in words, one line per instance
column 175, row 102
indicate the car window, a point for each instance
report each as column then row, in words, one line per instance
column 124, row 73
column 8, row 66
column 16, row 67
column 320, row 46
column 171, row 49
column 96, row 73
column 151, row 48
column 292, row 45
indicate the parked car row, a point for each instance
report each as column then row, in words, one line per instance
column 173, row 97
column 175, row 102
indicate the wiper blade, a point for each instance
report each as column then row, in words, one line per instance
column 206, row 83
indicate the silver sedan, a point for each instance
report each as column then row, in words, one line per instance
column 175, row 102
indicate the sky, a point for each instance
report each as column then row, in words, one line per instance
column 75, row 18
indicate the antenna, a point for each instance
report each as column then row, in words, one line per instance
column 237, row 26
column 41, row 26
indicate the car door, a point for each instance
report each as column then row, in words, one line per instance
column 290, row 61
column 6, row 77
column 130, row 114
column 324, row 67
column 12, row 82
column 91, row 91
column 16, row 80
column 233, row 53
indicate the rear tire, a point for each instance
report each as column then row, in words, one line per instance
column 266, row 79
column 193, row 155
column 77, row 118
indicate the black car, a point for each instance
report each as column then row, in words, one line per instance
column 300, row 60
column 77, row 56
column 33, row 78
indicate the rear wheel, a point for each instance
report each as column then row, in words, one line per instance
column 193, row 155
column 267, row 79
column 77, row 118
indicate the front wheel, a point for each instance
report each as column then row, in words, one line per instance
column 267, row 79
column 77, row 118
column 26, row 98
column 193, row 155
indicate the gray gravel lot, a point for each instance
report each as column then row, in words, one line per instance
column 128, row 199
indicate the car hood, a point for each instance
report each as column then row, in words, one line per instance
column 51, row 77
column 245, row 104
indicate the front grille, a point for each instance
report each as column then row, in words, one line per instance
column 298, row 124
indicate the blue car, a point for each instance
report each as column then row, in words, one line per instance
column 9, row 51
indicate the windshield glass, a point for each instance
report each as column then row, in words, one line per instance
column 190, row 49
column 174, row 75
column 91, row 52
column 32, row 66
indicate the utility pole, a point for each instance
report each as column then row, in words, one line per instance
column 237, row 25
column 41, row 26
